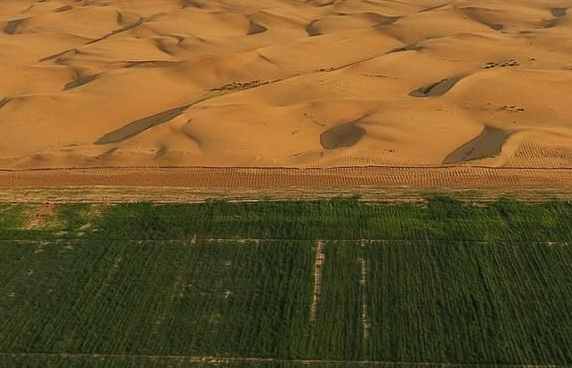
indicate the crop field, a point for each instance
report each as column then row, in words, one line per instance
column 336, row 283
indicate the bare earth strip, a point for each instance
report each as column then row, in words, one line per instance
column 188, row 184
column 237, row 360
column 364, row 314
column 318, row 265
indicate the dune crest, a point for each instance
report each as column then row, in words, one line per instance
column 285, row 83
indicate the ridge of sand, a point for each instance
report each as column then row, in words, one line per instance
column 285, row 83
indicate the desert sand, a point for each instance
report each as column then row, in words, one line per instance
column 286, row 83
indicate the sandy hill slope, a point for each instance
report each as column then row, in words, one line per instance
column 301, row 83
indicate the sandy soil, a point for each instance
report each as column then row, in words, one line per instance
column 285, row 83
column 332, row 180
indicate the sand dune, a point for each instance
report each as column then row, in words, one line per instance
column 286, row 83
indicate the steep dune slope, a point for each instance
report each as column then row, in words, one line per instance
column 285, row 83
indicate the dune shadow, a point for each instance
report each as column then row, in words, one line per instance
column 487, row 144
column 150, row 64
column 79, row 82
column 12, row 26
column 345, row 135
column 63, row 9
column 412, row 47
column 312, row 30
column 3, row 102
column 383, row 20
column 472, row 14
column 551, row 23
column 435, row 7
column 192, row 4
column 256, row 28
column 437, row 88
column 558, row 12
column 55, row 56
column 134, row 128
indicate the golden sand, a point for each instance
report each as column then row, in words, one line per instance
column 285, row 83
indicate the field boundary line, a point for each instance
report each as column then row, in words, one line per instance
column 214, row 360
column 363, row 290
column 319, row 261
column 193, row 241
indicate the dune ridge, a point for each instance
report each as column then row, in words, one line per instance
column 285, row 83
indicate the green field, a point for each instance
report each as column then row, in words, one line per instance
column 235, row 285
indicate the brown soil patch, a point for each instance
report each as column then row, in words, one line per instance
column 43, row 212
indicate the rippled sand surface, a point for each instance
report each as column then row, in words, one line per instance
column 285, row 83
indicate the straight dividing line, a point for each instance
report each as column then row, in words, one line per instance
column 319, row 260
column 364, row 312
column 194, row 240
column 214, row 360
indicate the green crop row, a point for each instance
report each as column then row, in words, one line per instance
column 440, row 219
column 456, row 302
column 449, row 284
column 424, row 302
column 164, row 298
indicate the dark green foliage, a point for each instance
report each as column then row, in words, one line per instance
column 164, row 298
column 337, row 332
column 441, row 219
column 73, row 216
column 12, row 216
column 151, row 285
column 473, row 303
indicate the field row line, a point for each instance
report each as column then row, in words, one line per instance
column 214, row 360
column 277, row 240
column 319, row 260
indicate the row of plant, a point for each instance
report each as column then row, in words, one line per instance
column 494, row 303
column 458, row 302
column 121, row 297
column 440, row 219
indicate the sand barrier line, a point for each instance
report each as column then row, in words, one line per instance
column 318, row 264
column 193, row 241
column 218, row 360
